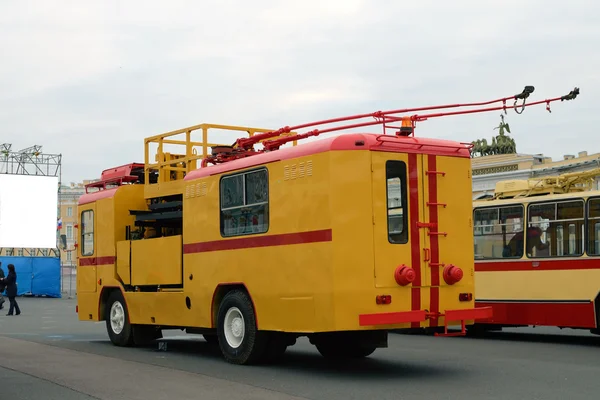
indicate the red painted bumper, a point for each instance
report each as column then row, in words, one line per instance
column 422, row 315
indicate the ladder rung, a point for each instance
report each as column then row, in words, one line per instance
column 435, row 173
column 437, row 204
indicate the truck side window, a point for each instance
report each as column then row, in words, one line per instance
column 245, row 203
column 87, row 233
column 395, row 172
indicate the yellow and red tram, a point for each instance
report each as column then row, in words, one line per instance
column 537, row 253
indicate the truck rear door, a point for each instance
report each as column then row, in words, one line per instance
column 397, row 208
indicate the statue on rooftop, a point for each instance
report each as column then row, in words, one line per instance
column 501, row 144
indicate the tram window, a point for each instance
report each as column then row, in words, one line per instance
column 594, row 238
column 556, row 229
column 245, row 203
column 560, row 241
column 593, row 234
column 395, row 173
column 87, row 233
column 498, row 232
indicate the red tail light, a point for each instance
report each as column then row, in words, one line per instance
column 465, row 297
column 383, row 299
column 77, row 309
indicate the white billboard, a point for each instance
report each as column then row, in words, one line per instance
column 28, row 211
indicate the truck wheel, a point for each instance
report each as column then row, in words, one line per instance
column 340, row 351
column 239, row 339
column 117, row 320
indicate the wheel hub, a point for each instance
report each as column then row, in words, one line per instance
column 117, row 317
column 234, row 327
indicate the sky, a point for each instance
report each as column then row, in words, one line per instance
column 91, row 79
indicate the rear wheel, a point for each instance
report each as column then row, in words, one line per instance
column 596, row 330
column 334, row 350
column 119, row 329
column 349, row 344
column 239, row 339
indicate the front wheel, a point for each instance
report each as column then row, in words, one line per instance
column 239, row 339
column 119, row 329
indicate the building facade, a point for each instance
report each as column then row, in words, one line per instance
column 489, row 170
column 67, row 212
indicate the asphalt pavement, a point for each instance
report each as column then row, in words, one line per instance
column 20, row 386
column 47, row 352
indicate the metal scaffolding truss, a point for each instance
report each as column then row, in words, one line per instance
column 18, row 252
column 29, row 161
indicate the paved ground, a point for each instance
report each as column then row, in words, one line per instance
column 18, row 385
column 46, row 353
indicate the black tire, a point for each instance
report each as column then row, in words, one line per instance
column 597, row 309
column 123, row 336
column 340, row 351
column 252, row 343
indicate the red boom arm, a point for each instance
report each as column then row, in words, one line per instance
column 243, row 147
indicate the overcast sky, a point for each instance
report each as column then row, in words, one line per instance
column 92, row 79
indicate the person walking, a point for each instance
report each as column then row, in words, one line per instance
column 2, row 286
column 11, row 290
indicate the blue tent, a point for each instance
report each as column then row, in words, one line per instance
column 38, row 276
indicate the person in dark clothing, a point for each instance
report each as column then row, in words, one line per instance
column 534, row 239
column 2, row 286
column 11, row 290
